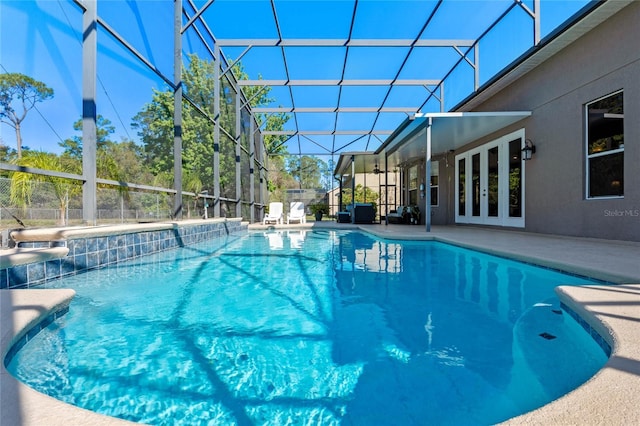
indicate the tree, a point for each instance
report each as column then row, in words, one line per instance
column 363, row 195
column 279, row 178
column 155, row 125
column 123, row 161
column 23, row 184
column 307, row 170
column 19, row 94
column 73, row 147
column 192, row 183
column 6, row 153
column 259, row 96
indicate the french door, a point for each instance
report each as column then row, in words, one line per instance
column 490, row 183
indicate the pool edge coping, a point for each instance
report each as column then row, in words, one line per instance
column 22, row 311
column 529, row 258
column 612, row 395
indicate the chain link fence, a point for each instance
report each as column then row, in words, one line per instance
column 52, row 206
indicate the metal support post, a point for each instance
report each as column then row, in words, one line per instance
column 89, row 132
column 427, row 180
column 216, row 131
column 177, row 109
column 238, row 142
column 252, row 165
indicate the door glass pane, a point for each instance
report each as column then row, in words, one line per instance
column 413, row 197
column 492, row 182
column 475, row 185
column 435, row 182
column 515, row 178
column 413, row 178
column 461, row 187
column 388, row 194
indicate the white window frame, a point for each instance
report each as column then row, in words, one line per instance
column 588, row 156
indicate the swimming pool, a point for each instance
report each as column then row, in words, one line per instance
column 300, row 327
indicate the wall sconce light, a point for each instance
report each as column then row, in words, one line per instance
column 528, row 150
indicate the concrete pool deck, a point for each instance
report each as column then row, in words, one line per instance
column 611, row 397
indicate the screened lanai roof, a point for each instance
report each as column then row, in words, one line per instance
column 449, row 131
column 347, row 73
column 453, row 130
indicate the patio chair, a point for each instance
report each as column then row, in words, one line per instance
column 275, row 213
column 296, row 212
column 398, row 215
column 363, row 213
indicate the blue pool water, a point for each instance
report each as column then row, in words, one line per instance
column 305, row 327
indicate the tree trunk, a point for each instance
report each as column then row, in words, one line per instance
column 18, row 140
column 63, row 213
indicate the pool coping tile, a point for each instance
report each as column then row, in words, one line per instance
column 22, row 314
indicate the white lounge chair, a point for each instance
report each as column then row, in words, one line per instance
column 275, row 213
column 296, row 212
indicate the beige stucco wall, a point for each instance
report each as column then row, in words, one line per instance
column 603, row 61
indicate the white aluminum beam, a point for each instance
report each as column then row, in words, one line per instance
column 279, row 110
column 304, row 42
column 338, row 82
column 326, row 132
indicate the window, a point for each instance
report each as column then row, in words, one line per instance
column 605, row 147
column 413, row 185
column 435, row 172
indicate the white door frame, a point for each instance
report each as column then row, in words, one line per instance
column 503, row 218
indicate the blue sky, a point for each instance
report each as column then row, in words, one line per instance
column 42, row 39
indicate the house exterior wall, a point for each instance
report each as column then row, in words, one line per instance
column 603, row 61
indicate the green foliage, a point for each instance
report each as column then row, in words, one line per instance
column 319, row 208
column 73, row 147
column 307, row 170
column 22, row 184
column 18, row 94
column 259, row 96
column 155, row 125
column 153, row 162
column 6, row 153
column 279, row 178
column 122, row 161
column 191, row 182
column 274, row 144
column 363, row 195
